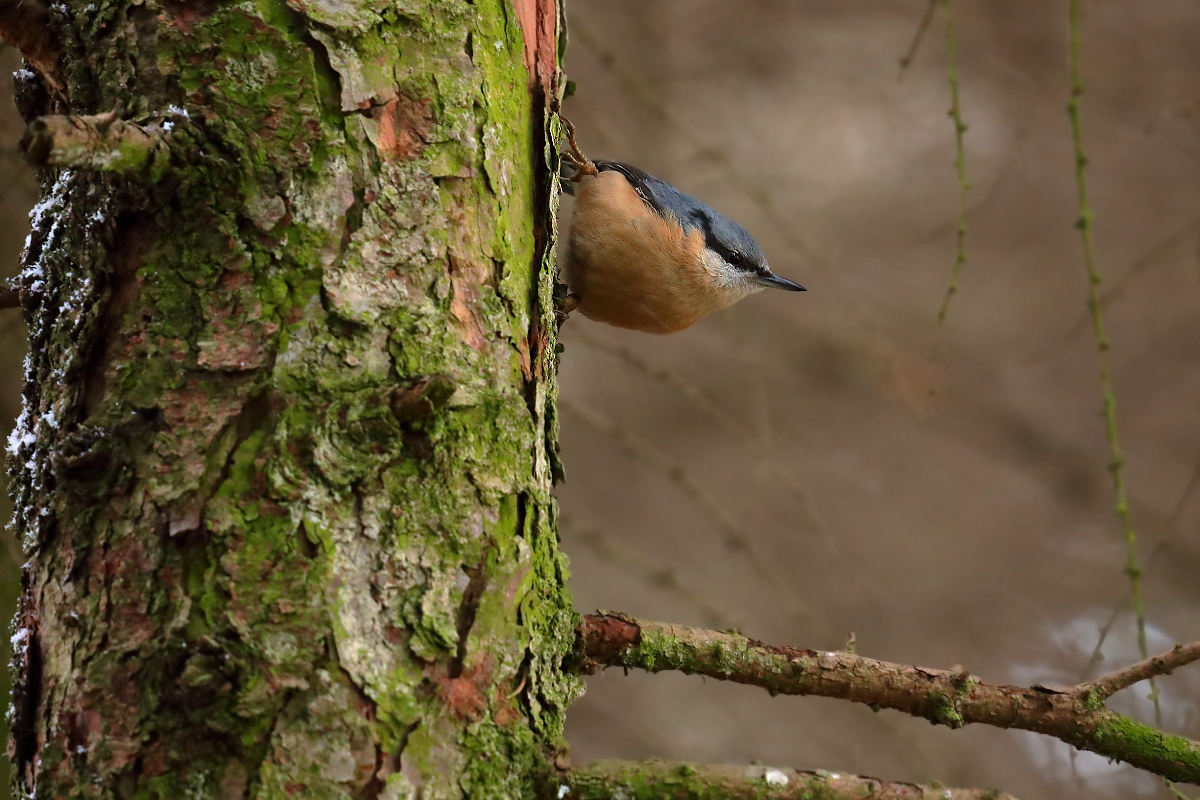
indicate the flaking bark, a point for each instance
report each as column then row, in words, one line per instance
column 283, row 471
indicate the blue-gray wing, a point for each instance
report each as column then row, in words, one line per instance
column 658, row 194
column 721, row 234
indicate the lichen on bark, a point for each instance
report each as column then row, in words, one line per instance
column 284, row 470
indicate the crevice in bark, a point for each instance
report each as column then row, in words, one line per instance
column 356, row 490
column 27, row 691
column 394, row 765
column 254, row 414
column 375, row 785
column 300, row 24
column 118, row 296
column 468, row 607
column 308, row 548
column 522, row 512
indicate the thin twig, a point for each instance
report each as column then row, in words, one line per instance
column 1178, row 795
column 629, row 558
column 668, row 780
column 1171, row 528
column 960, row 162
column 764, row 457
column 736, row 540
column 674, row 380
column 1133, row 569
column 914, row 46
column 954, row 698
column 1144, row 670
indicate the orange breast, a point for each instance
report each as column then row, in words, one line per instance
column 632, row 268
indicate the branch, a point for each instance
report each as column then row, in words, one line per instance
column 679, row 781
column 25, row 24
column 1108, row 685
column 100, row 142
column 1075, row 715
column 10, row 296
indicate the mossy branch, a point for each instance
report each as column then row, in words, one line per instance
column 649, row 780
column 100, row 142
column 10, row 295
column 1133, row 569
column 1075, row 715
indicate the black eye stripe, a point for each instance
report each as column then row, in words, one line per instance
column 733, row 257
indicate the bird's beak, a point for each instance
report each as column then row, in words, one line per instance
column 776, row 282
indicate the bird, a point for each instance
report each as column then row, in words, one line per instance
column 643, row 255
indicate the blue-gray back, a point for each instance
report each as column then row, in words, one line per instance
column 733, row 242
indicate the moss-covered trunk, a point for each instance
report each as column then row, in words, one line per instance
column 283, row 475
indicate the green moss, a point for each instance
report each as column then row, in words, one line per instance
column 941, row 709
column 652, row 780
column 1121, row 737
column 320, row 596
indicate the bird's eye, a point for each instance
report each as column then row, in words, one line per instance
column 735, row 258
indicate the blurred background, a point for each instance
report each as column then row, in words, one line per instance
column 805, row 465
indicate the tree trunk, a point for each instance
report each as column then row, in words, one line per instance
column 283, row 474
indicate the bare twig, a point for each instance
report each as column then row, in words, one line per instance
column 1116, row 466
column 960, row 161
column 1075, row 715
column 100, row 142
column 25, row 24
column 736, row 540
column 1174, row 791
column 1145, row 669
column 663, row 578
column 681, row 781
column 763, row 456
column 10, row 296
column 1171, row 529
column 674, row 380
column 915, row 45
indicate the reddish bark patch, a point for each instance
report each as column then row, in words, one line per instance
column 466, row 696
column 404, row 126
column 154, row 762
column 467, row 277
column 606, row 636
column 507, row 712
column 232, row 343
column 538, row 20
column 526, row 359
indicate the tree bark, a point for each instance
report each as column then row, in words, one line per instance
column 283, row 473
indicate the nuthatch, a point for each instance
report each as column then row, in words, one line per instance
column 646, row 256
